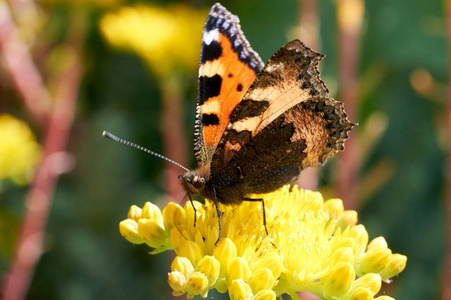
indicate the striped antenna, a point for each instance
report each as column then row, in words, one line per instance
column 111, row 136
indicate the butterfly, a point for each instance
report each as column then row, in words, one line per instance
column 257, row 125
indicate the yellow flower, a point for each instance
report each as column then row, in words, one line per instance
column 167, row 39
column 313, row 245
column 19, row 151
column 102, row 4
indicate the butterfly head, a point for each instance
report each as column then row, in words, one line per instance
column 192, row 182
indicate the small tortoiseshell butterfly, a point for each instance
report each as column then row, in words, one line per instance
column 257, row 126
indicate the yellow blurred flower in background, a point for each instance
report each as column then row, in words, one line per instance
column 313, row 245
column 19, row 151
column 167, row 39
column 85, row 3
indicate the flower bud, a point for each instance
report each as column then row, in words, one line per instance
column 211, row 267
column 344, row 242
column 225, row 253
column 347, row 218
column 129, row 230
column 221, row 285
column 384, row 298
column 378, row 242
column 239, row 290
column 134, row 213
column 152, row 212
column 262, row 279
column 372, row 282
column 361, row 294
column 374, row 260
column 333, row 207
column 173, row 215
column 265, row 295
column 192, row 251
column 339, row 281
column 271, row 261
column 196, row 284
column 177, row 281
column 343, row 254
column 183, row 265
column 238, row 269
column 395, row 265
column 176, row 239
column 360, row 236
column 151, row 232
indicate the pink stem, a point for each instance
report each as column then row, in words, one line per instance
column 349, row 39
column 308, row 33
column 446, row 287
column 38, row 201
column 173, row 137
column 22, row 70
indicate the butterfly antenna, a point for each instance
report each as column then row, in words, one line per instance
column 111, row 136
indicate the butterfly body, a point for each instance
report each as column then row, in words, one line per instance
column 258, row 125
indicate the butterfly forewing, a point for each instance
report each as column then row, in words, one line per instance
column 228, row 66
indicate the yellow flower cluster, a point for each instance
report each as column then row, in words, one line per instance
column 19, row 151
column 313, row 245
column 167, row 39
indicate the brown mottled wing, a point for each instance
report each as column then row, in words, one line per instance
column 227, row 68
column 284, row 123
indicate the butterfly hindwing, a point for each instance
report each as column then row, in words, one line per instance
column 228, row 66
column 284, row 123
column 291, row 76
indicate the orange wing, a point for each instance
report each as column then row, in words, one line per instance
column 228, row 66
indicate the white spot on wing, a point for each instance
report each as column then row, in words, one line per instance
column 212, row 106
column 248, row 124
column 210, row 36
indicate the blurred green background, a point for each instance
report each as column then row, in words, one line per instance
column 402, row 73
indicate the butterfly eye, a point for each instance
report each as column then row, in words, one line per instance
column 198, row 182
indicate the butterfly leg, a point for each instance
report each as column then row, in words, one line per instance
column 195, row 210
column 263, row 207
column 215, row 199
